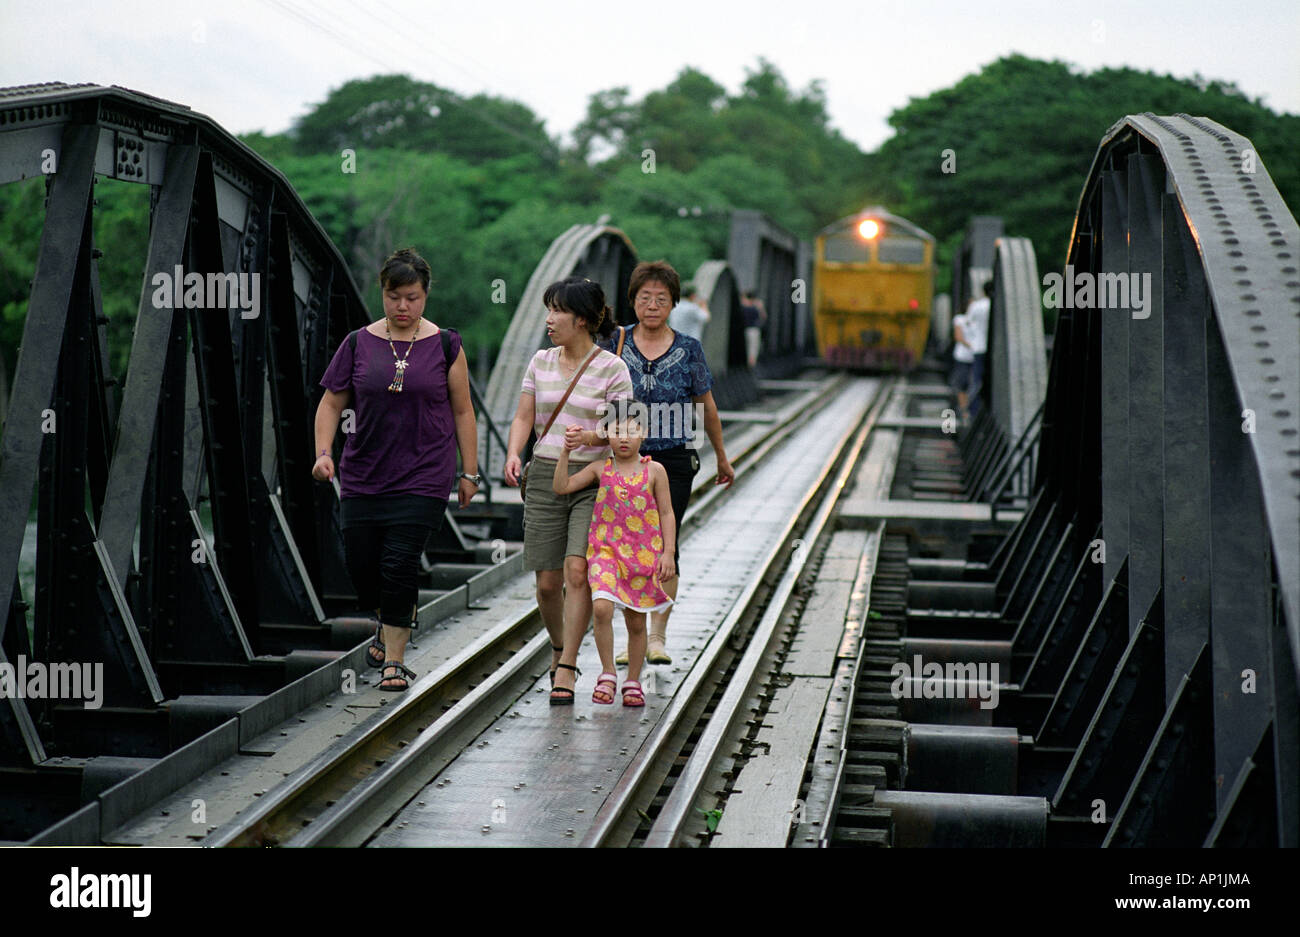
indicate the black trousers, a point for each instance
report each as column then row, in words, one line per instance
column 681, row 464
column 384, row 563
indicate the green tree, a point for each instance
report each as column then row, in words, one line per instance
column 396, row 111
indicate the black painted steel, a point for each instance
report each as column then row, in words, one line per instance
column 1149, row 592
column 774, row 264
column 129, row 490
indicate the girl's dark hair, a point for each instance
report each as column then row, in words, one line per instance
column 404, row 267
column 583, row 298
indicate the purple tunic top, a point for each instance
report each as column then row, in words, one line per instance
column 403, row 443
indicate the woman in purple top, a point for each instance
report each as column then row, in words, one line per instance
column 407, row 383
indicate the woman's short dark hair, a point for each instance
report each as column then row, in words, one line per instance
column 584, row 299
column 657, row 271
column 404, row 267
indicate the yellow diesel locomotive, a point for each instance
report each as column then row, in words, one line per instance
column 873, row 284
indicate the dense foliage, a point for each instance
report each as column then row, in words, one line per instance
column 479, row 187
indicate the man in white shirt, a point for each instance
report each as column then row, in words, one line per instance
column 977, row 334
column 963, row 360
column 689, row 315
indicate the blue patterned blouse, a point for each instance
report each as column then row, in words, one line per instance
column 674, row 378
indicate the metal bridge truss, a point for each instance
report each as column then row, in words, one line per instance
column 215, row 420
column 1149, row 593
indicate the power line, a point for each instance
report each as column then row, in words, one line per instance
column 386, row 63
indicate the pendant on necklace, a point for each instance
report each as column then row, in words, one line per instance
column 396, row 386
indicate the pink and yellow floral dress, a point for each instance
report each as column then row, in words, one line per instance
column 625, row 542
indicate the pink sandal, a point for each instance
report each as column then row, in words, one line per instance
column 611, row 682
column 632, row 695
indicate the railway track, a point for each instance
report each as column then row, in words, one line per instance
column 356, row 783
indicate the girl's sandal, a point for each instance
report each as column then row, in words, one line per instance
column 566, row 695
column 632, row 695
column 606, row 679
column 561, row 650
column 403, row 674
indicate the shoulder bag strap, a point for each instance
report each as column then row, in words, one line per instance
column 563, row 400
column 622, row 333
column 446, row 350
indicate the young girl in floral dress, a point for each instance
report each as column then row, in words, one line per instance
column 629, row 551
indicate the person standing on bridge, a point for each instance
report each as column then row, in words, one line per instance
column 407, row 383
column 977, row 334
column 691, row 314
column 632, row 530
column 751, row 307
column 671, row 377
column 556, row 526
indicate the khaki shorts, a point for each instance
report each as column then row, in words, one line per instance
column 555, row 526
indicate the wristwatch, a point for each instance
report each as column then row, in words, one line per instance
column 473, row 479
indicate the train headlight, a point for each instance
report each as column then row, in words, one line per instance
column 869, row 228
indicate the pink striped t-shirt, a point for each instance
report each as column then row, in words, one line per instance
column 605, row 380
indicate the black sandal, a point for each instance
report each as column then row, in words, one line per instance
column 561, row 650
column 568, row 699
column 377, row 642
column 403, row 673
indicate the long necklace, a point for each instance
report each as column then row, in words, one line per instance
column 400, row 363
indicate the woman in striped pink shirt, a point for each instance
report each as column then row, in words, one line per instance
column 556, row 526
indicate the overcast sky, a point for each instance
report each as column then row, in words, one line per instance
column 259, row 64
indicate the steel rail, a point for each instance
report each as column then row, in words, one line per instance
column 670, row 825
